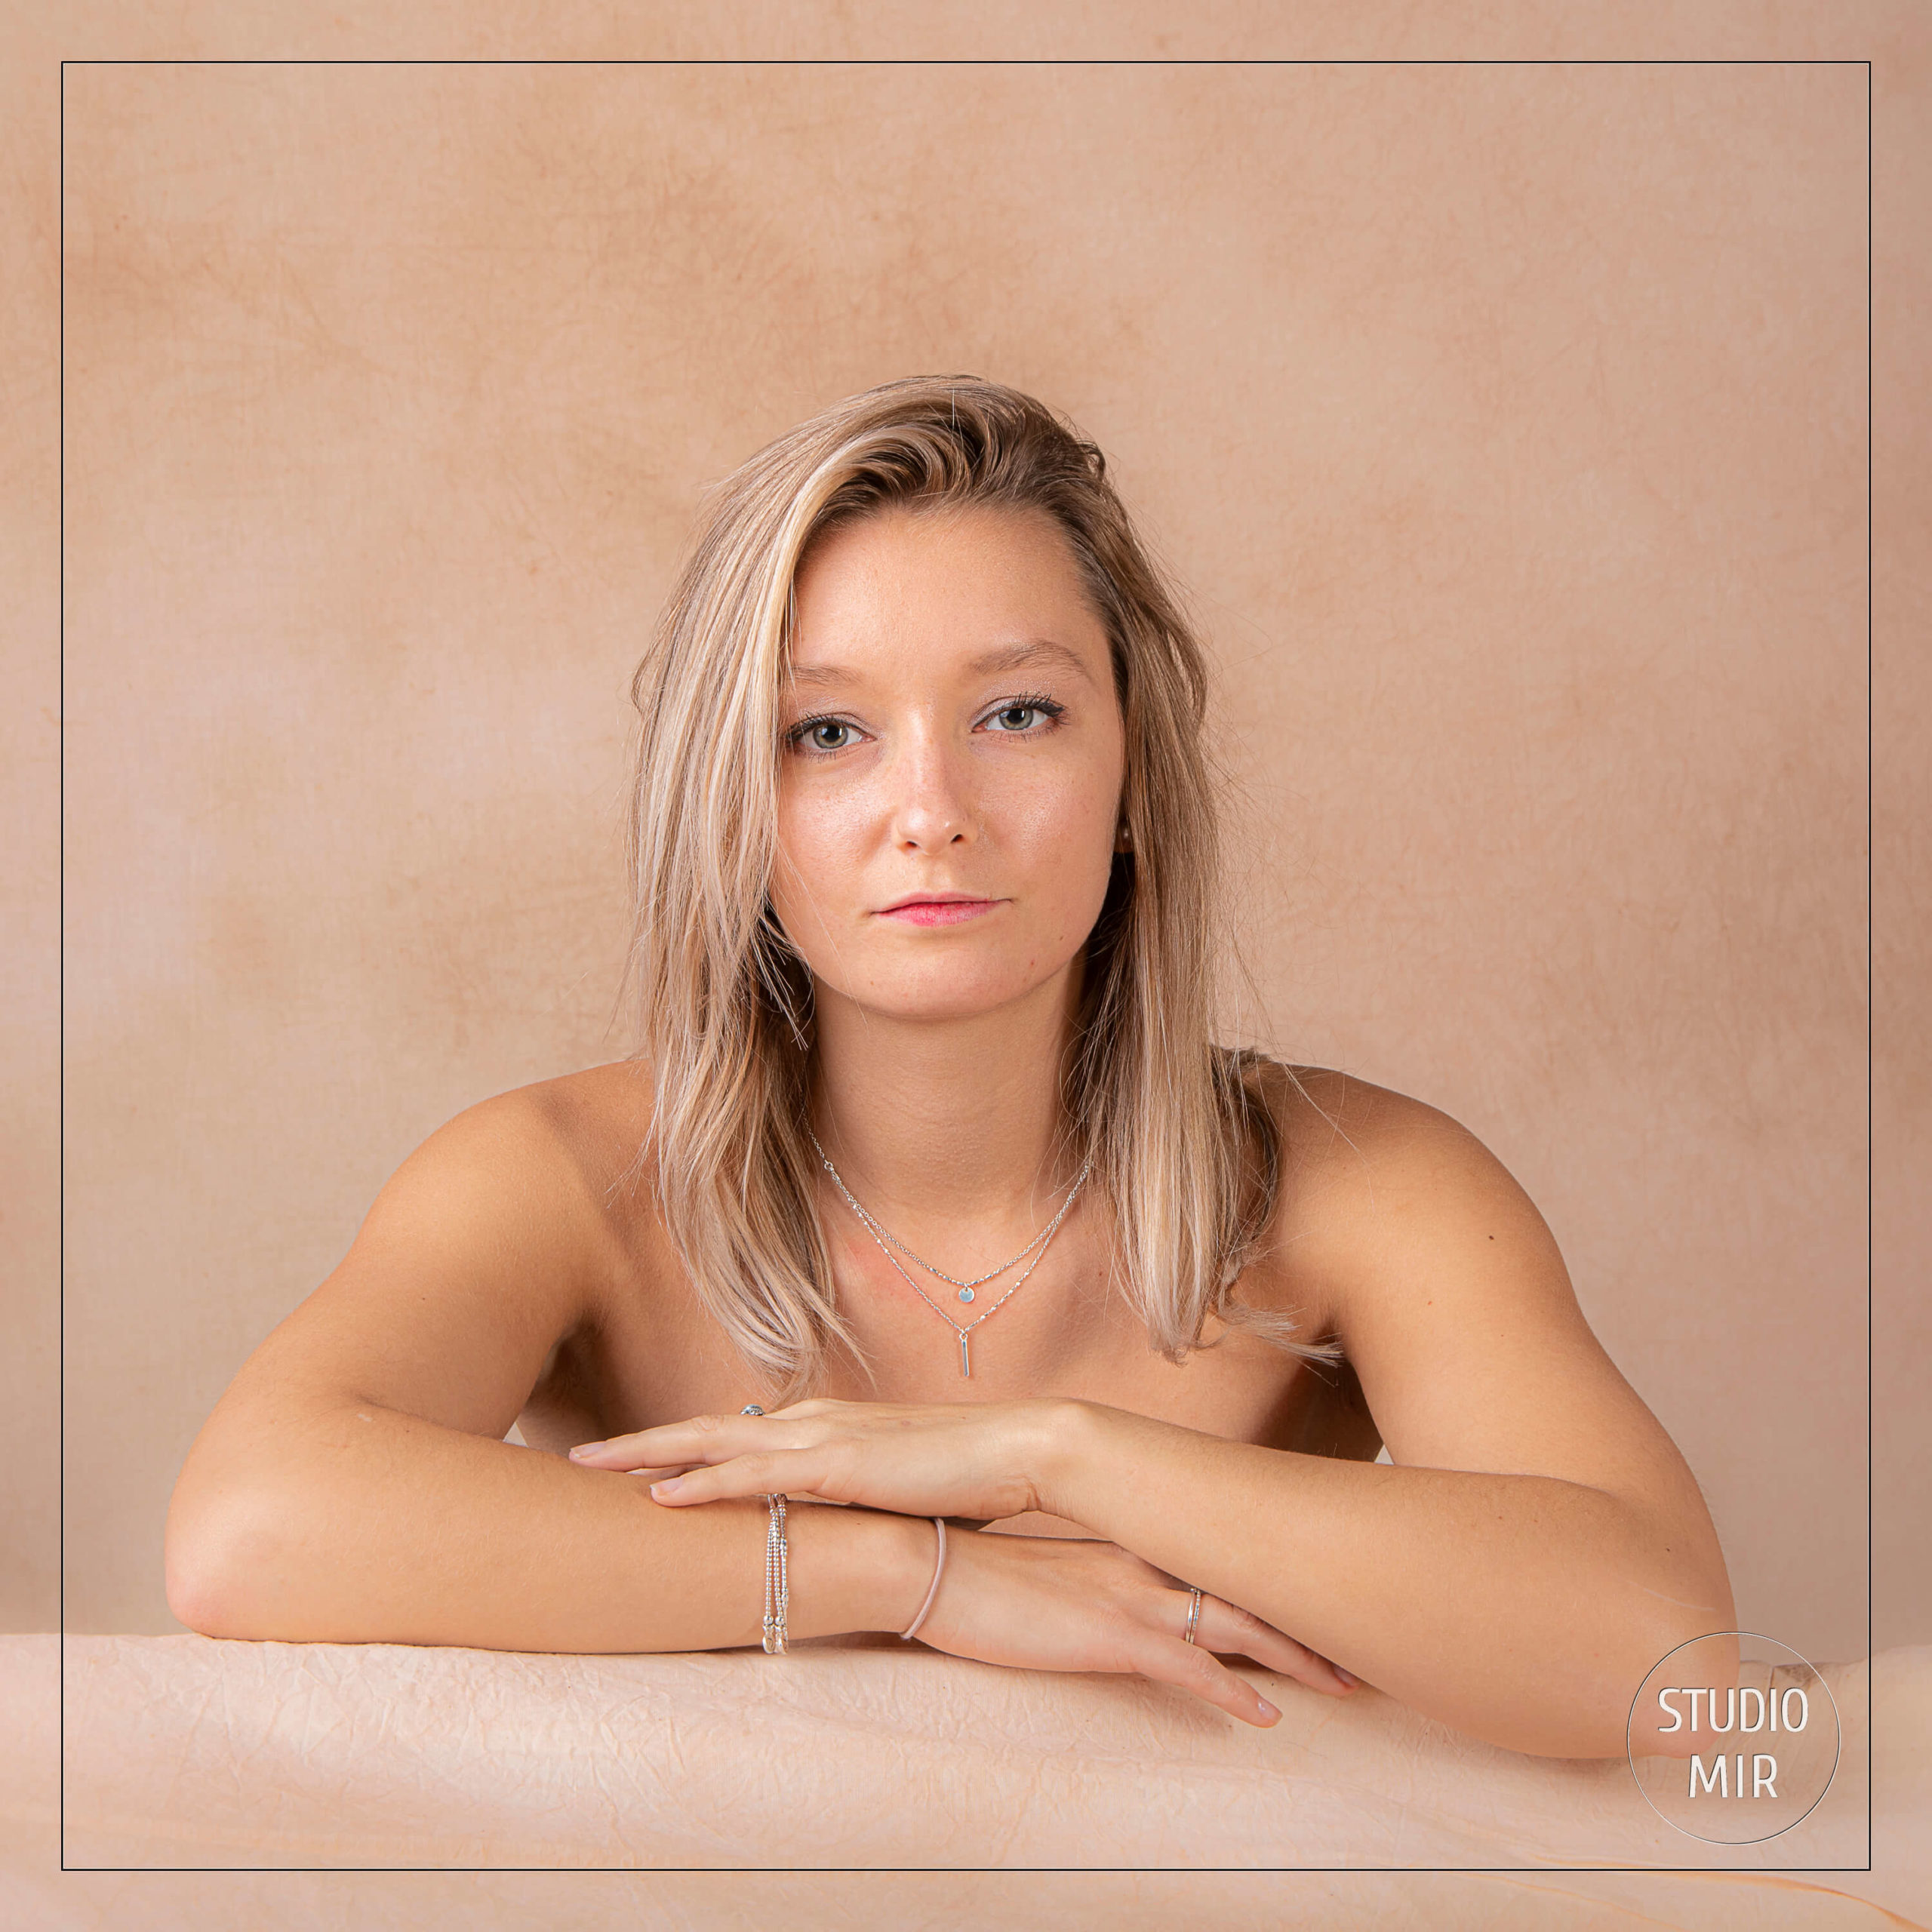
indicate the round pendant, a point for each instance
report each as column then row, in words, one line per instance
column 965, row 1294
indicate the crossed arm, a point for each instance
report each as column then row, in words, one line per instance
column 1537, row 1546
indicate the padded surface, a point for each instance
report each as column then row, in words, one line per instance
column 184, row 1752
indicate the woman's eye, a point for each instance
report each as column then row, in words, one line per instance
column 1026, row 717
column 1015, row 719
column 819, row 734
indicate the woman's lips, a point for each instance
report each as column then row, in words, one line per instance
column 935, row 913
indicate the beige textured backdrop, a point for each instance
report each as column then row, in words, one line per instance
column 1506, row 424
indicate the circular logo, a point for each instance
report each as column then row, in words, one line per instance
column 1733, row 1737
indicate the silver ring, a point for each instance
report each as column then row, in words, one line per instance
column 1193, row 1616
column 751, row 1409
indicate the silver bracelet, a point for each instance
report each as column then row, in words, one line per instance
column 777, row 1585
column 777, row 1592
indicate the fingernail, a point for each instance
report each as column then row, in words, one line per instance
column 586, row 1449
column 1347, row 1677
column 1266, row 1709
column 665, row 1487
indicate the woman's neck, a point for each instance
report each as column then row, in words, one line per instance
column 949, row 1129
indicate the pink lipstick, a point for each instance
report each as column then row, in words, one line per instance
column 949, row 911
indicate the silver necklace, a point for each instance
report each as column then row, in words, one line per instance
column 881, row 1235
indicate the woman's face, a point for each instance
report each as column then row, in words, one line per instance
column 949, row 730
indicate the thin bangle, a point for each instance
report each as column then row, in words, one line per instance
column 939, row 1571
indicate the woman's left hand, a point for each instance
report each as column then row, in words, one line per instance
column 982, row 1460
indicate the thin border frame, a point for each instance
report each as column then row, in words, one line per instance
column 960, row 63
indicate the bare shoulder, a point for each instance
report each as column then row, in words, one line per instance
column 1344, row 1143
column 1355, row 1154
column 568, row 1156
column 597, row 1122
column 1331, row 1119
column 1381, row 1191
column 584, row 1142
column 1447, row 1290
column 497, row 1238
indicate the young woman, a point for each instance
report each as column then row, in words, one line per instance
column 1095, row 1327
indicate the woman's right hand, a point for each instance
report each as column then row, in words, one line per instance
column 1049, row 1603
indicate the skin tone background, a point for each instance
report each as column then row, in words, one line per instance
column 1505, row 425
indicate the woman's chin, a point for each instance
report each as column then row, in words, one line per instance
column 938, row 999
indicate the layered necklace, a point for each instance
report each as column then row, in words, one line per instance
column 966, row 1291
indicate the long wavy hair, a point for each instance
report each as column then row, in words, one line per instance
column 1185, row 1146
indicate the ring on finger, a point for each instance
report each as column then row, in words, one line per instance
column 1193, row 1616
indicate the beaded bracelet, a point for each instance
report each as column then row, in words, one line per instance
column 777, row 1592
column 777, row 1585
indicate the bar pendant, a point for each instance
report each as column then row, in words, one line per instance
column 966, row 1351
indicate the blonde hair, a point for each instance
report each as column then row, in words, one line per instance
column 1187, row 1154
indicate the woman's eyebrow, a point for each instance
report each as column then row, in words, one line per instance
column 1038, row 652
column 815, row 676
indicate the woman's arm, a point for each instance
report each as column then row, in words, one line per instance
column 1538, row 1546
column 370, row 1525
column 352, row 1485
column 1539, row 1543
column 1523, row 1610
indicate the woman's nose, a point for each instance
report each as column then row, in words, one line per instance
column 930, row 806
